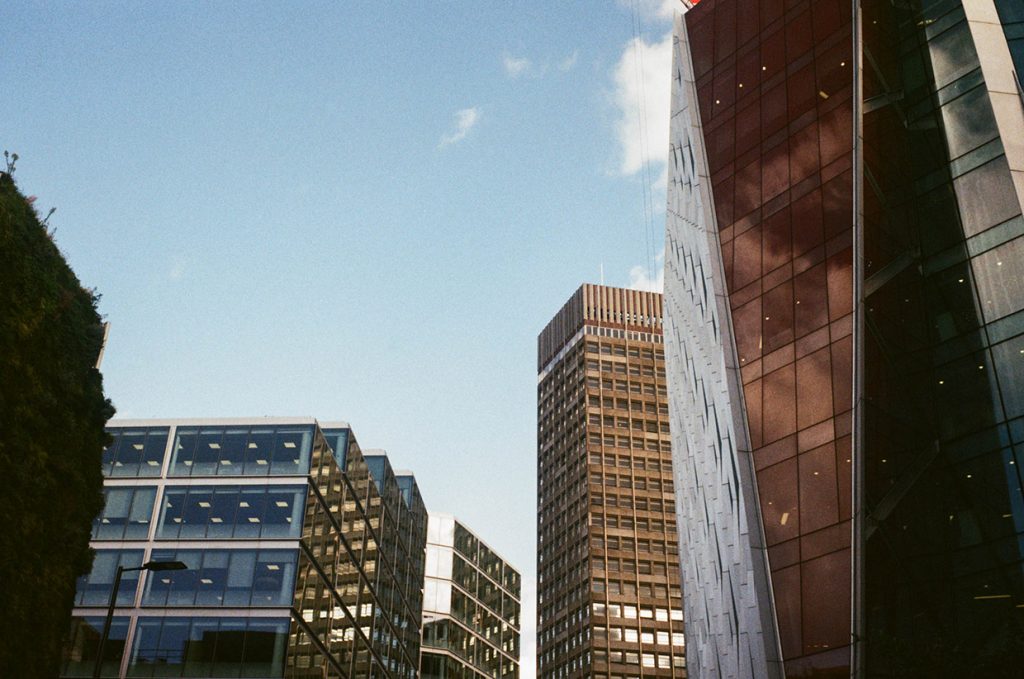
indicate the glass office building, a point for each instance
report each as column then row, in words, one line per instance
column 609, row 601
column 845, row 336
column 304, row 555
column 471, row 606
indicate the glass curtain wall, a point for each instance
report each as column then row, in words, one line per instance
column 775, row 91
column 944, row 354
column 471, row 607
column 294, row 573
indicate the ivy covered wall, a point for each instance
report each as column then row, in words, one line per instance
column 52, row 415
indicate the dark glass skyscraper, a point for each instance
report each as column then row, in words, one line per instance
column 609, row 603
column 844, row 319
column 305, row 557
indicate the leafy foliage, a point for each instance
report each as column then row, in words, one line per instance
column 52, row 415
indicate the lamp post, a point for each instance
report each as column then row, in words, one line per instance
column 148, row 566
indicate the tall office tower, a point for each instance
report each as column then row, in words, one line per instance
column 608, row 601
column 471, row 606
column 292, row 541
column 844, row 317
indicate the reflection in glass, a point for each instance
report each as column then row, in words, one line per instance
column 126, row 513
column 232, row 511
column 83, row 643
column 94, row 589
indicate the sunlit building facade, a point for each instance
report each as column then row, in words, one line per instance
column 304, row 556
column 609, row 601
column 471, row 606
column 845, row 336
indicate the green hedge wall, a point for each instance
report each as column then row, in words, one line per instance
column 52, row 415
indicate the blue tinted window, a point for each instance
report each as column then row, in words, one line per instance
column 221, row 577
column 135, row 452
column 126, row 513
column 337, row 439
column 84, row 641
column 232, row 512
column 236, row 451
column 377, row 465
column 94, row 589
column 209, row 647
column 405, row 484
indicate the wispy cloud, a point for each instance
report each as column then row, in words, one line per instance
column 465, row 120
column 569, row 62
column 642, row 278
column 516, row 66
column 642, row 94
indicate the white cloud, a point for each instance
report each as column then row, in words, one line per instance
column 569, row 62
column 641, row 278
column 642, row 96
column 516, row 66
column 465, row 119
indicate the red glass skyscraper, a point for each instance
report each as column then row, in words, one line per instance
column 844, row 303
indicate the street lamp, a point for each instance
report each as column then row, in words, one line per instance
column 148, row 566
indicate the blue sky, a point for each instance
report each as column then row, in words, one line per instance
column 352, row 212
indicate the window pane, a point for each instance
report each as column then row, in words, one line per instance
column 184, row 451
column 223, row 510
column 240, row 579
column 173, row 510
column 953, row 55
column 153, row 453
column 230, row 644
column 232, row 453
column 258, row 451
column 129, row 452
column 274, row 578
column 110, row 452
column 986, row 196
column 110, row 524
column 207, row 455
column 213, row 579
column 83, row 643
column 94, row 589
column 142, row 509
column 199, row 659
column 291, row 451
column 250, row 512
column 283, row 515
column 196, row 514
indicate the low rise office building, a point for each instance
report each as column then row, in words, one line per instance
column 304, row 556
column 471, row 606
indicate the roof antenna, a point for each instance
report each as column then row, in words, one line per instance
column 602, row 273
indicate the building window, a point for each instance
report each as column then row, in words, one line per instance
column 232, row 512
column 175, row 646
column 241, row 451
column 217, row 577
column 84, row 641
column 135, row 452
column 126, row 513
column 94, row 589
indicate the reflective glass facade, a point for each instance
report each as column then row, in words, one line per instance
column 775, row 89
column 471, row 606
column 943, row 343
column 298, row 566
column 609, row 600
column 848, row 181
